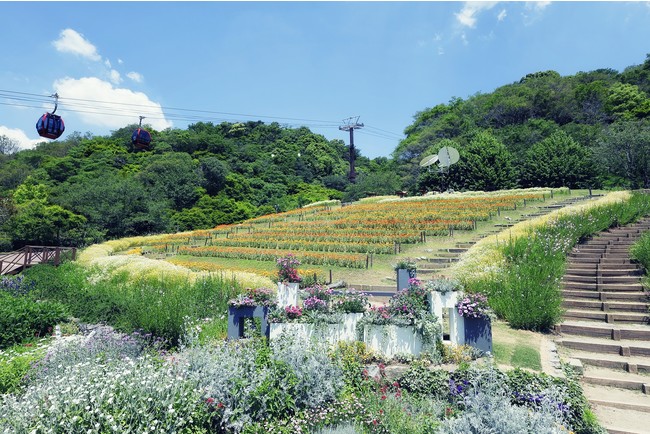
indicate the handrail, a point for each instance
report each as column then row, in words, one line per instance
column 27, row 256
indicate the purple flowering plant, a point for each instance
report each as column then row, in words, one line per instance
column 473, row 306
column 321, row 292
column 351, row 301
column 314, row 304
column 254, row 297
column 288, row 269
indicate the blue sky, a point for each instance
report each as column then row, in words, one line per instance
column 296, row 63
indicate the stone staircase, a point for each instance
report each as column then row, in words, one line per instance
column 606, row 327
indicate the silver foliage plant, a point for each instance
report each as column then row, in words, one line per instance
column 488, row 410
column 228, row 375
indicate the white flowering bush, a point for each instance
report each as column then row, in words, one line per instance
column 121, row 395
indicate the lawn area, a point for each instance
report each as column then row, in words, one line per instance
column 516, row 348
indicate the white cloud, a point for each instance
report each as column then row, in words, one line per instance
column 135, row 76
column 116, row 78
column 19, row 136
column 467, row 16
column 120, row 61
column 108, row 63
column 537, row 6
column 72, row 42
column 110, row 106
column 502, row 15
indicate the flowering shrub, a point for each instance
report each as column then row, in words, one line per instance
column 16, row 285
column 254, row 297
column 321, row 292
column 351, row 301
column 473, row 306
column 315, row 304
column 405, row 264
column 293, row 312
column 288, row 269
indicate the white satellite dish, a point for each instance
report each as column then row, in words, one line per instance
column 428, row 160
column 448, row 156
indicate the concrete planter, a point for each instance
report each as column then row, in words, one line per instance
column 287, row 294
column 237, row 315
column 478, row 333
column 390, row 340
column 403, row 276
column 331, row 333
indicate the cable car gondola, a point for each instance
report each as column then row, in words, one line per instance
column 49, row 125
column 141, row 138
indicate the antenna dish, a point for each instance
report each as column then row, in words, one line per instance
column 428, row 160
column 448, row 156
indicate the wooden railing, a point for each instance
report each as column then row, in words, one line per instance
column 14, row 262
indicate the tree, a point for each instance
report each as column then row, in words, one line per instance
column 624, row 151
column 8, row 145
column 485, row 164
column 557, row 161
column 41, row 224
column 214, row 172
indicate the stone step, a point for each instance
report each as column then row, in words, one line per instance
column 614, row 362
column 613, row 378
column 619, row 421
column 607, row 306
column 604, row 331
column 433, row 270
column 624, row 347
column 607, row 317
column 466, row 245
column 606, row 296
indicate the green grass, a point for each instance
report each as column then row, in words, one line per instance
column 516, row 348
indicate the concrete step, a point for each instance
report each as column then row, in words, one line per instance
column 606, row 306
column 606, row 296
column 617, row 398
column 614, row 362
column 624, row 347
column 440, row 260
column 630, row 270
column 619, row 421
column 594, row 278
column 607, row 317
column 608, row 287
column 598, row 260
column 615, row 378
column 453, row 250
column 604, row 331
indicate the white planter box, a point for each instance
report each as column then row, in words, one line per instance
column 390, row 340
column 306, row 332
column 348, row 329
column 287, row 294
column 439, row 302
column 331, row 333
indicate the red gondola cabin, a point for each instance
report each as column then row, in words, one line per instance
column 141, row 138
column 50, row 126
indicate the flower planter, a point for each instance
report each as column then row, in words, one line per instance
column 403, row 276
column 287, row 294
column 237, row 315
column 390, row 340
column 329, row 333
column 478, row 333
column 348, row 328
column 440, row 301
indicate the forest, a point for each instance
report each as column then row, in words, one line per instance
column 588, row 130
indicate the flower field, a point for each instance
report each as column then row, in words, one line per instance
column 328, row 234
